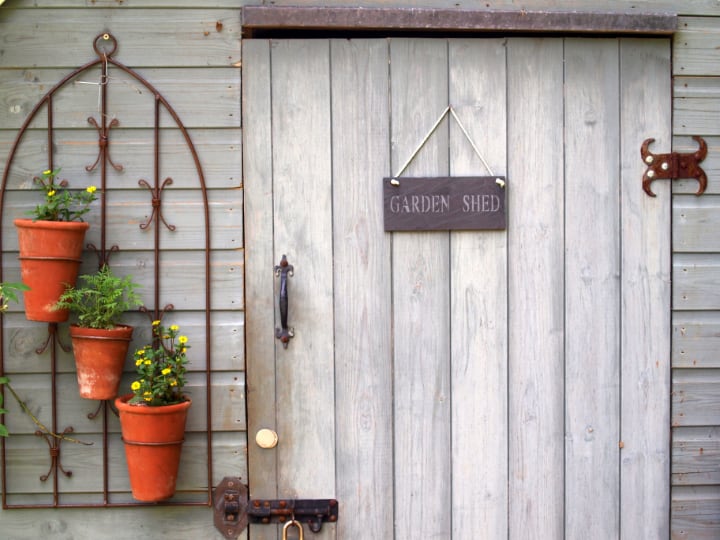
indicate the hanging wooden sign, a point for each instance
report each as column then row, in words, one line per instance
column 444, row 203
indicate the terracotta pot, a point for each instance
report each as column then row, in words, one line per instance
column 99, row 359
column 50, row 257
column 153, row 438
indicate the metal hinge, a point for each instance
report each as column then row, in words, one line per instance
column 233, row 510
column 674, row 166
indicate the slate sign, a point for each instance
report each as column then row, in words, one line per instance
column 444, row 203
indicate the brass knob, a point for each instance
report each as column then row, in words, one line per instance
column 266, row 438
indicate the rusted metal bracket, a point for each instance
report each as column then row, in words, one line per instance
column 314, row 512
column 674, row 166
column 233, row 510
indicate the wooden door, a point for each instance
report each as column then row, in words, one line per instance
column 500, row 384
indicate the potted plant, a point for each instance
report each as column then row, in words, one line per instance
column 152, row 417
column 8, row 293
column 51, row 245
column 100, row 343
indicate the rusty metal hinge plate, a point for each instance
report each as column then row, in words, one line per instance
column 674, row 166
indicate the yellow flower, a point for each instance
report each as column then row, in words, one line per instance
column 147, row 396
column 135, row 386
column 174, row 328
column 182, row 350
column 166, row 371
column 91, row 189
column 182, row 339
column 140, row 352
column 147, row 362
column 47, row 173
column 156, row 323
column 51, row 193
column 138, row 361
column 173, row 383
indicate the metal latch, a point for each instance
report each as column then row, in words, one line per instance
column 674, row 166
column 233, row 510
column 230, row 500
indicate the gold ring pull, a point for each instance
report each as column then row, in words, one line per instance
column 290, row 524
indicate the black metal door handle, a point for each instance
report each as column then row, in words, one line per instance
column 284, row 333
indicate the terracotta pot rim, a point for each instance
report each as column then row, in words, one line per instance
column 118, row 328
column 121, row 403
column 44, row 224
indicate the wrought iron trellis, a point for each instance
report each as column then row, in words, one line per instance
column 105, row 46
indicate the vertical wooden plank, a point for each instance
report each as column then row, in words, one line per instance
column 259, row 315
column 419, row 73
column 479, row 301
column 592, row 288
column 645, row 414
column 302, row 197
column 363, row 349
column 535, row 288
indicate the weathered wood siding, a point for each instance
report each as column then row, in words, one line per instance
column 499, row 369
column 180, row 47
column 191, row 56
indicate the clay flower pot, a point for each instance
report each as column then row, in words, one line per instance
column 153, row 438
column 50, row 257
column 99, row 359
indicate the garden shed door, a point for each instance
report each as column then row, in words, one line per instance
column 464, row 384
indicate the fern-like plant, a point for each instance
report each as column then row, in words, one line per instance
column 101, row 300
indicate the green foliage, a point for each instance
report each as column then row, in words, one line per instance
column 3, row 430
column 61, row 204
column 161, row 368
column 102, row 299
column 9, row 293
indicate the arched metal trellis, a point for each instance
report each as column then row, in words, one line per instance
column 105, row 47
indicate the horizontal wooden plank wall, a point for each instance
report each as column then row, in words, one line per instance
column 696, row 281
column 190, row 53
column 186, row 33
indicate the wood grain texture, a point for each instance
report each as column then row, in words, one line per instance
column 696, row 456
column 695, row 397
column 695, row 513
column 128, row 100
column 478, row 297
column 259, row 262
column 592, row 288
column 421, row 318
column 362, row 297
column 182, row 38
column 302, row 226
column 645, row 313
column 219, row 151
column 696, row 281
column 535, row 242
column 694, row 50
column 696, row 340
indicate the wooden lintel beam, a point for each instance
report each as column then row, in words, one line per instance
column 456, row 20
